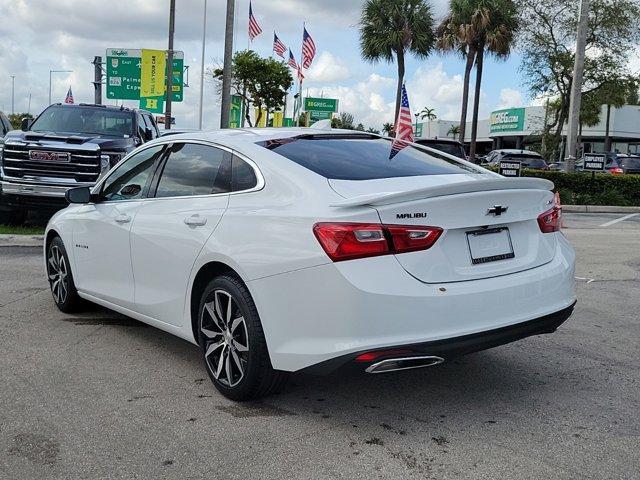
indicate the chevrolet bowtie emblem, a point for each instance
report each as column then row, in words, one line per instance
column 497, row 210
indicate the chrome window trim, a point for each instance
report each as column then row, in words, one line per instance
column 260, row 183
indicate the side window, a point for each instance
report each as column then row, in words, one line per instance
column 243, row 177
column 152, row 125
column 141, row 128
column 194, row 169
column 131, row 179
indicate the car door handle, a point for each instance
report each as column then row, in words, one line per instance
column 195, row 221
column 122, row 218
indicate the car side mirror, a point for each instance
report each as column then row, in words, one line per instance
column 78, row 195
column 25, row 124
column 148, row 135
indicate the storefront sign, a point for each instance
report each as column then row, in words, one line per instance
column 509, row 120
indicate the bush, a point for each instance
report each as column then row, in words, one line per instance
column 582, row 189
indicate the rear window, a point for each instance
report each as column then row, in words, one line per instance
column 362, row 158
column 450, row 148
column 630, row 163
column 529, row 160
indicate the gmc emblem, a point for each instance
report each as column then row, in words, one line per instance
column 43, row 156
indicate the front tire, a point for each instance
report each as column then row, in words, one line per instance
column 233, row 344
column 63, row 289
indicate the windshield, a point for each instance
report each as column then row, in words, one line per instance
column 85, row 120
column 450, row 148
column 363, row 158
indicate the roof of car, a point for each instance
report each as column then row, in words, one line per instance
column 94, row 105
column 516, row 150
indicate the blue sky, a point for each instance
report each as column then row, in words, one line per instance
column 39, row 35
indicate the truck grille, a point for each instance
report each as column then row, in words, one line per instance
column 83, row 167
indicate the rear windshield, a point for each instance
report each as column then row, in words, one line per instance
column 530, row 160
column 450, row 148
column 630, row 163
column 362, row 157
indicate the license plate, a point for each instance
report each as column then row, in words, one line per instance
column 490, row 245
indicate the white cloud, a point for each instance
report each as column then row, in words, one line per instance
column 328, row 68
column 509, row 98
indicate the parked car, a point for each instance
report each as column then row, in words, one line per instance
column 615, row 164
column 64, row 147
column 288, row 249
column 527, row 158
column 452, row 147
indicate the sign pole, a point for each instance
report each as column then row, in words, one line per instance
column 169, row 88
column 204, row 38
column 228, row 63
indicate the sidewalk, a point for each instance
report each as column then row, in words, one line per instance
column 21, row 240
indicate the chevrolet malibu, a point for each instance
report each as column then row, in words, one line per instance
column 281, row 250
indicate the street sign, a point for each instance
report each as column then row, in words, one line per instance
column 320, row 105
column 510, row 168
column 152, row 80
column 124, row 71
column 594, row 162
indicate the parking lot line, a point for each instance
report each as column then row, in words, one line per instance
column 618, row 220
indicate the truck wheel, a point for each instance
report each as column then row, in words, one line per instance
column 233, row 344
column 15, row 216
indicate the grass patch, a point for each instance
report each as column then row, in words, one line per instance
column 9, row 230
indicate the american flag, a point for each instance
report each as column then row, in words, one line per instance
column 69, row 97
column 404, row 127
column 300, row 75
column 278, row 47
column 254, row 28
column 308, row 49
column 292, row 61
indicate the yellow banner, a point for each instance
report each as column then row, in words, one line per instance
column 263, row 120
column 278, row 118
column 152, row 73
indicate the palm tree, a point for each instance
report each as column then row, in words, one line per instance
column 387, row 128
column 474, row 28
column 389, row 29
column 454, row 130
column 429, row 114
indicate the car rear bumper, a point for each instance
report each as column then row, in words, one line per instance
column 314, row 315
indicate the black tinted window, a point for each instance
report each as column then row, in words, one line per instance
column 630, row 163
column 450, row 148
column 131, row 179
column 362, row 158
column 242, row 176
column 194, row 169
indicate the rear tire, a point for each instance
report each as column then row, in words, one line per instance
column 63, row 288
column 232, row 342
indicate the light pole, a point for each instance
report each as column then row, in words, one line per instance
column 50, row 73
column 204, row 39
column 169, row 89
column 416, row 115
column 576, row 88
column 13, row 91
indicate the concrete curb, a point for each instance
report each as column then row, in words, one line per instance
column 21, row 240
column 598, row 209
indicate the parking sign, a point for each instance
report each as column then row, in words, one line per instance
column 594, row 162
column 510, row 168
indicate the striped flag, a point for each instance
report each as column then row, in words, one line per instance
column 254, row 28
column 292, row 61
column 300, row 75
column 278, row 47
column 404, row 127
column 69, row 97
column 308, row 49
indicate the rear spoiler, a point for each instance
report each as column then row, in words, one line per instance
column 386, row 198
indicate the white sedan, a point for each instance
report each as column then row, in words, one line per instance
column 281, row 250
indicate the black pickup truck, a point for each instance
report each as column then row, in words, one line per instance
column 66, row 146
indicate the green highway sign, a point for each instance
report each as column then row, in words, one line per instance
column 508, row 120
column 329, row 105
column 123, row 74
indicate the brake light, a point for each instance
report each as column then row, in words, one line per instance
column 616, row 171
column 348, row 241
column 550, row 220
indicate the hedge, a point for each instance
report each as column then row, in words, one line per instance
column 582, row 189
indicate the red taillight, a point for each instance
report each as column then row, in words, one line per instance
column 348, row 241
column 616, row 171
column 550, row 220
column 371, row 356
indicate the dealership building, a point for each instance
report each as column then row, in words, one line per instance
column 515, row 127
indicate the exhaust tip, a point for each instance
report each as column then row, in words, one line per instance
column 404, row 363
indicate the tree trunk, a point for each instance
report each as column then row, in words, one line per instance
column 476, row 105
column 471, row 56
column 607, row 137
column 400, row 60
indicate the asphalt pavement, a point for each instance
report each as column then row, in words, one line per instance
column 99, row 395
